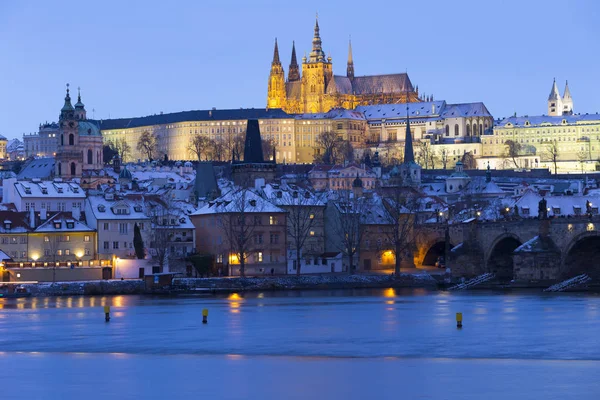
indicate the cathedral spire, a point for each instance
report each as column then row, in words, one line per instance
column 276, row 55
column 567, row 93
column 554, row 95
column 294, row 73
column 317, row 54
column 350, row 67
column 409, row 155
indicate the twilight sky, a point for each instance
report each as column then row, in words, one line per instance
column 140, row 57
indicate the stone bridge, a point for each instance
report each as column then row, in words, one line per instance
column 519, row 249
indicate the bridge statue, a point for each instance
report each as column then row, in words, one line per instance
column 543, row 209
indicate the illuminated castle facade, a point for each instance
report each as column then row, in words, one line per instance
column 318, row 90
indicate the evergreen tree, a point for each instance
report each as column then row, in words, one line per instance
column 138, row 243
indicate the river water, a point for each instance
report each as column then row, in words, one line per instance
column 295, row 345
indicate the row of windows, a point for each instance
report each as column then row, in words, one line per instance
column 61, row 252
column 23, row 239
column 116, row 244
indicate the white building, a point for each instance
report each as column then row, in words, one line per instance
column 41, row 195
column 114, row 220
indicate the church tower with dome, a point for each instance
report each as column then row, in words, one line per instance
column 79, row 152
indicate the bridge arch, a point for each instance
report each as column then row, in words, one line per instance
column 433, row 250
column 499, row 258
column 582, row 255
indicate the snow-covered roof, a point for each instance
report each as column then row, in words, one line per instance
column 63, row 222
column 558, row 205
column 49, row 189
column 102, row 208
column 236, row 201
column 286, row 195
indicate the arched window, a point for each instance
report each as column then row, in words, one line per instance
column 480, row 129
column 455, row 129
column 60, row 166
column 447, row 130
column 71, row 139
column 468, row 130
column 72, row 168
column 62, row 140
column 89, row 156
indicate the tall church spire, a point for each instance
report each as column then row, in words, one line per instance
column 554, row 95
column 294, row 73
column 276, row 55
column 567, row 101
column 350, row 67
column 79, row 106
column 409, row 155
column 67, row 110
column 317, row 54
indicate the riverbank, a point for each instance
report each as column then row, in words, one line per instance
column 229, row 285
column 212, row 286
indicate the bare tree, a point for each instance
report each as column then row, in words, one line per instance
column 551, row 153
column 344, row 151
column 512, row 151
column 346, row 227
column 444, row 156
column 51, row 248
column 433, row 158
column 582, row 157
column 468, row 161
column 402, row 230
column 423, row 153
column 198, row 146
column 147, row 144
column 122, row 148
column 164, row 219
column 239, row 218
column 305, row 211
column 268, row 146
column 327, row 142
column 218, row 150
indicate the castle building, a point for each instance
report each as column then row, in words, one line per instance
column 560, row 141
column 79, row 149
column 318, row 90
column 560, row 105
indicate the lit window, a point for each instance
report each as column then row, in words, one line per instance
column 312, row 233
column 259, row 256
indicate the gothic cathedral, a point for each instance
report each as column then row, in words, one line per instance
column 319, row 90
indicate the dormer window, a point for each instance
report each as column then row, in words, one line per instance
column 556, row 210
column 137, row 208
column 253, row 203
column 101, row 208
column 57, row 225
column 7, row 224
column 70, row 225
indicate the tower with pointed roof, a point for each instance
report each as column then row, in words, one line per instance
column 245, row 172
column 350, row 65
column 555, row 106
column 410, row 171
column 79, row 150
column 317, row 72
column 276, row 92
column 567, row 100
column 317, row 90
column 294, row 73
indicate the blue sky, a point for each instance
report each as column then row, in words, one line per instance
column 137, row 58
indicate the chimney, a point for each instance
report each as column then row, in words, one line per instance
column 32, row 218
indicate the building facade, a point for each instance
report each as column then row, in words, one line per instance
column 43, row 143
column 43, row 196
column 79, row 148
column 318, row 90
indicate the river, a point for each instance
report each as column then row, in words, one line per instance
column 307, row 344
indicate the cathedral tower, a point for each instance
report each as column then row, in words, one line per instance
column 276, row 92
column 555, row 106
column 294, row 73
column 350, row 66
column 567, row 101
column 79, row 151
column 316, row 73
